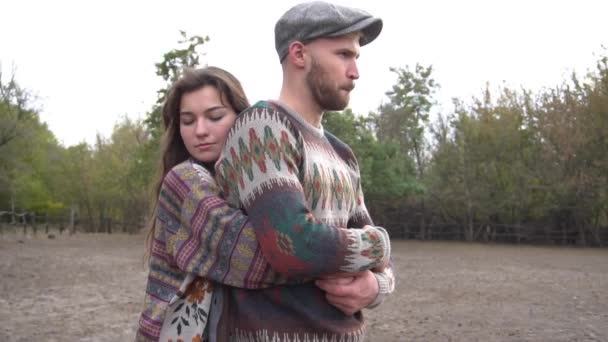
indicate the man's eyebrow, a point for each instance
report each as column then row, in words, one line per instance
column 349, row 51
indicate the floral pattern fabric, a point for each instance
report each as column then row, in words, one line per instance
column 188, row 312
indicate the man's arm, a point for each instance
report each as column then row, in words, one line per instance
column 351, row 293
column 259, row 169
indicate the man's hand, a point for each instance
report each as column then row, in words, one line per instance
column 350, row 292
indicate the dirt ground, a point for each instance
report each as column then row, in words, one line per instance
column 90, row 288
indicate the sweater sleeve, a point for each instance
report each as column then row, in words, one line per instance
column 384, row 277
column 386, row 285
column 208, row 238
column 260, row 170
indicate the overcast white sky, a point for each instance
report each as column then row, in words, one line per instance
column 91, row 62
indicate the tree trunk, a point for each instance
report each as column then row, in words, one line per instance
column 13, row 217
column 423, row 226
column 582, row 240
column 90, row 215
column 72, row 213
column 469, row 230
column 24, row 222
column 596, row 230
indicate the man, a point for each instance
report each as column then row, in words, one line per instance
column 299, row 184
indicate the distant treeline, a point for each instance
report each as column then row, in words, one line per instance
column 510, row 165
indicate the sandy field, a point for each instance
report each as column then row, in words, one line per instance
column 90, row 288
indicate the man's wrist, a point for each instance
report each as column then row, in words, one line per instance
column 383, row 291
column 379, row 296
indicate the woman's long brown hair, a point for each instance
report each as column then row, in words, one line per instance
column 173, row 150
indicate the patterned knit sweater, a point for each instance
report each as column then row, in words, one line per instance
column 198, row 234
column 298, row 185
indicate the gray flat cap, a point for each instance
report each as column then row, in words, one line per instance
column 318, row 19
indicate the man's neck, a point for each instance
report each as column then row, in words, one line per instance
column 302, row 105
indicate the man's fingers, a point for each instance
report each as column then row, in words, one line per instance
column 342, row 275
column 342, row 300
column 337, row 281
column 332, row 287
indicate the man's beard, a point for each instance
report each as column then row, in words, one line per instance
column 320, row 85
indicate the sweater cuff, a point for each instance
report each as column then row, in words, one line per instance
column 386, row 244
column 384, row 289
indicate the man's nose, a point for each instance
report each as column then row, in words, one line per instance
column 353, row 71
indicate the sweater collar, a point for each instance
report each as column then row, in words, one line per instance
column 316, row 130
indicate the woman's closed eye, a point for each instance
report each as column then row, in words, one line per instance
column 216, row 118
column 186, row 119
column 217, row 114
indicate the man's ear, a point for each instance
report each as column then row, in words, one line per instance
column 296, row 53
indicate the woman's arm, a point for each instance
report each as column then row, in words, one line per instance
column 206, row 237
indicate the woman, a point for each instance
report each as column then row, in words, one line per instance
column 196, row 239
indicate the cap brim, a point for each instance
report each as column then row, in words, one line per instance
column 369, row 27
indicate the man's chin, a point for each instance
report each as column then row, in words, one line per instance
column 336, row 108
column 335, row 103
column 344, row 103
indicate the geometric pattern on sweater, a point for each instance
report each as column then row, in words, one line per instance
column 326, row 184
column 265, row 335
column 304, row 161
column 301, row 189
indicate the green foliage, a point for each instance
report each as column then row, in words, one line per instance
column 480, row 174
column 28, row 154
column 401, row 128
column 15, row 111
column 104, row 183
column 176, row 60
column 385, row 172
column 522, row 159
column 403, row 119
column 118, row 190
column 169, row 69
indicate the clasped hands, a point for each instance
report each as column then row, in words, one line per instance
column 350, row 292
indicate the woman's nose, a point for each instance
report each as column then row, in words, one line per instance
column 201, row 128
